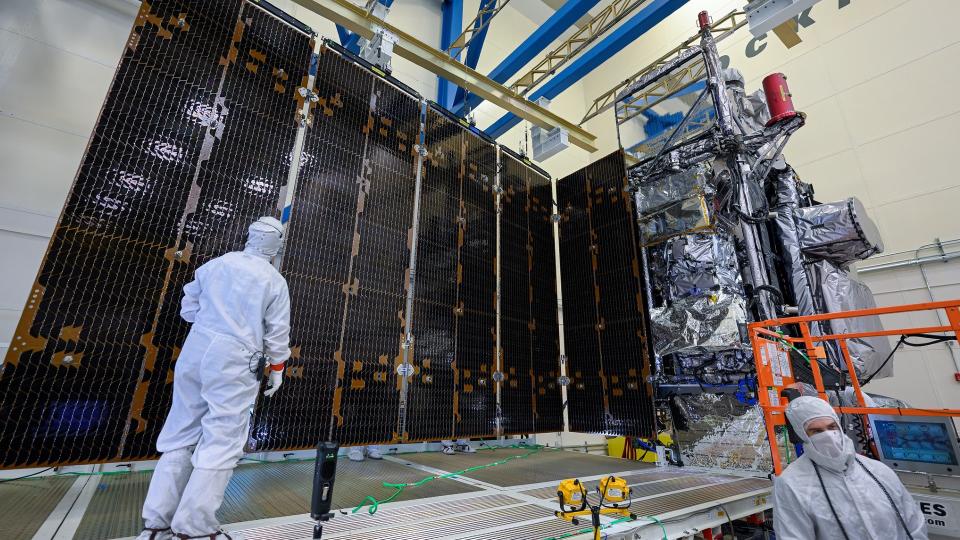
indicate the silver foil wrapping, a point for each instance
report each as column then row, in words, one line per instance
column 700, row 264
column 839, row 291
column 840, row 232
column 751, row 109
column 787, row 202
column 654, row 195
column 724, row 434
column 684, row 216
column 699, row 324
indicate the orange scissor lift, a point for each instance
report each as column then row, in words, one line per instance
column 774, row 372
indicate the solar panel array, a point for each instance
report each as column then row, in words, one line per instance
column 192, row 143
column 529, row 332
column 346, row 263
column 195, row 140
column 605, row 319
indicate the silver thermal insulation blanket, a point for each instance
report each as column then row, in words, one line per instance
column 840, row 232
column 674, row 204
column 702, row 263
column 839, row 291
column 684, row 216
column 751, row 112
column 699, row 324
column 723, row 433
column 664, row 191
column 788, row 201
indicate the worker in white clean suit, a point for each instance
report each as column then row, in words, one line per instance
column 240, row 309
column 831, row 492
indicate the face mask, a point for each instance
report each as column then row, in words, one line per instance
column 830, row 449
column 828, row 443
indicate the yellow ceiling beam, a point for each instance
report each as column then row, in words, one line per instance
column 357, row 20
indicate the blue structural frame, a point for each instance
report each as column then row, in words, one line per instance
column 351, row 41
column 451, row 25
column 562, row 19
column 474, row 48
column 647, row 18
column 344, row 35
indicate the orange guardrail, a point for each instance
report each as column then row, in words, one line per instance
column 771, row 353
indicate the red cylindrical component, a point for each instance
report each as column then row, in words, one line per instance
column 779, row 100
column 703, row 19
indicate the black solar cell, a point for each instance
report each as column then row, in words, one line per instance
column 605, row 326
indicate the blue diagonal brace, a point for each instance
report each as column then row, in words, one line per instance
column 475, row 46
column 451, row 22
column 627, row 33
column 344, row 35
column 535, row 44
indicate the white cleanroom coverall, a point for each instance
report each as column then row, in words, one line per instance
column 240, row 308
column 359, row 453
column 800, row 507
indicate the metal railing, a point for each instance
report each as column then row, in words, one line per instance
column 771, row 352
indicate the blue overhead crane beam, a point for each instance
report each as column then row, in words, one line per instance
column 451, row 25
column 627, row 33
column 534, row 45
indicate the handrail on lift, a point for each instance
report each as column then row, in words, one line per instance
column 774, row 374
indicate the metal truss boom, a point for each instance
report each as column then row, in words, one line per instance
column 572, row 46
column 723, row 27
column 486, row 13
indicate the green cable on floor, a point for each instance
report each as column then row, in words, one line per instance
column 112, row 473
column 374, row 503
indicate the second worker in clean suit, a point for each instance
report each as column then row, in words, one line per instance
column 833, row 493
column 240, row 309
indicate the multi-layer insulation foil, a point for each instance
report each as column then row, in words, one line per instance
column 699, row 324
column 839, row 291
column 674, row 204
column 723, row 433
column 605, row 309
column 700, row 278
column 840, row 232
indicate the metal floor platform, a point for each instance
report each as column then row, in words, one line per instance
column 256, row 491
column 27, row 503
column 512, row 501
column 517, row 501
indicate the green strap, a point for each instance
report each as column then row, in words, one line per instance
column 374, row 503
